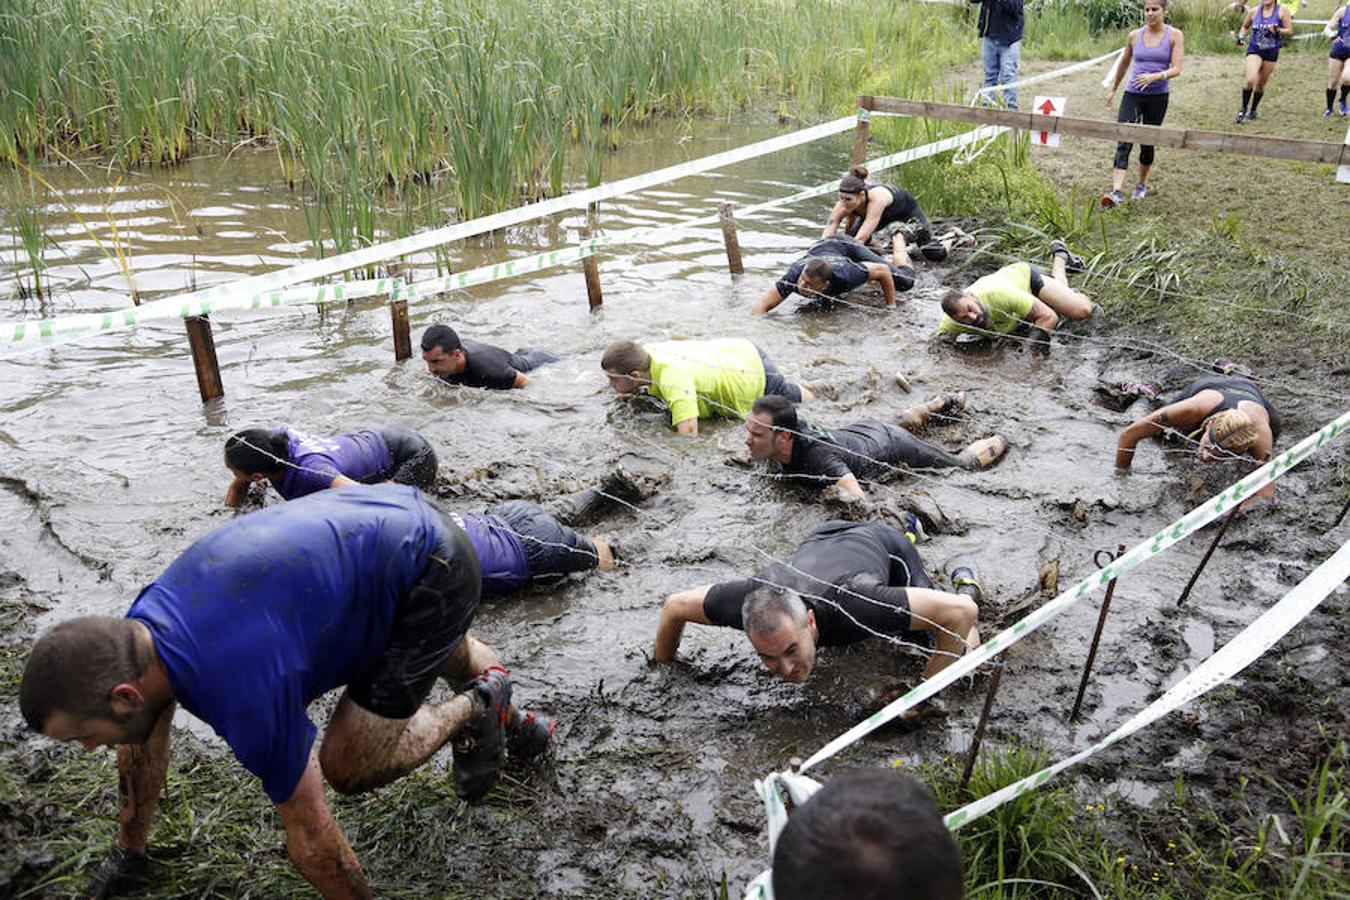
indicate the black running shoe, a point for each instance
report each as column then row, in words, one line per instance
column 480, row 747
column 529, row 737
column 1072, row 261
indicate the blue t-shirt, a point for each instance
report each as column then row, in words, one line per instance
column 268, row 612
column 501, row 555
column 848, row 264
column 362, row 456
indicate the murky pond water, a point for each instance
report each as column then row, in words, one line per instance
column 111, row 466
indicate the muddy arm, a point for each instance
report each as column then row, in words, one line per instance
column 234, row 494
column 836, row 219
column 521, row 380
column 141, row 769
column 767, row 302
column 849, row 485
column 1181, row 415
column 315, row 842
column 342, row 481
column 686, row 606
column 882, row 273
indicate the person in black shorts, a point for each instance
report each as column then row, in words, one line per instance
column 871, row 834
column 875, row 213
column 1229, row 414
column 473, row 364
column 866, row 449
column 836, row 265
column 848, row 581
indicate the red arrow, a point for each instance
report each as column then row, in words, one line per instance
column 1047, row 107
column 1045, row 138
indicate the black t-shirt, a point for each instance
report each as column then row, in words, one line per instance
column 485, row 366
column 823, row 454
column 847, row 259
column 902, row 208
column 831, row 556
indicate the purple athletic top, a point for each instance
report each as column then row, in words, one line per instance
column 1342, row 39
column 316, row 460
column 1263, row 37
column 501, row 555
column 1151, row 60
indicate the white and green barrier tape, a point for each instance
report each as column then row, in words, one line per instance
column 36, row 334
column 1244, row 649
column 1142, row 552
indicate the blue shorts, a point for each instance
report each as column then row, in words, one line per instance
column 1268, row 55
column 774, row 382
column 1340, row 53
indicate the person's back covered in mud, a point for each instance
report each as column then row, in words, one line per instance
column 297, row 464
column 1017, row 295
column 867, row 449
column 871, row 834
column 1225, row 416
column 472, row 363
column 835, row 265
column 370, row 590
column 848, row 581
column 698, row 379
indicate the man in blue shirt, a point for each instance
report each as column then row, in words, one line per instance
column 371, row 588
column 1000, row 30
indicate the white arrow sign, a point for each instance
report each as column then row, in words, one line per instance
column 1047, row 106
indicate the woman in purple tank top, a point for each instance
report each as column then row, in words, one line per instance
column 1268, row 24
column 1153, row 56
column 1338, row 29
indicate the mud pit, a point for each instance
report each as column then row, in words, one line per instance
column 111, row 467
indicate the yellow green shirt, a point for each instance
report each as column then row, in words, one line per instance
column 1006, row 294
column 700, row 379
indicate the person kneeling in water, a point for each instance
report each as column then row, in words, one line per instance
column 865, row 449
column 298, row 464
column 847, row 582
column 874, row 212
column 998, row 304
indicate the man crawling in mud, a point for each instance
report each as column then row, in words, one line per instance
column 848, row 581
column 372, row 588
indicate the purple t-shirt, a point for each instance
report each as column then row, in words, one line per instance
column 501, row 555
column 1151, row 60
column 273, row 609
column 317, row 459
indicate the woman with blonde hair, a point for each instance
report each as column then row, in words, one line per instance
column 1226, row 416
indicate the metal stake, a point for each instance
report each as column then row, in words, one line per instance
column 984, row 719
column 1344, row 509
column 1096, row 637
column 1228, row 520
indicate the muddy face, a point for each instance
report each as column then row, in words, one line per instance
column 763, row 441
column 789, row 650
column 442, row 364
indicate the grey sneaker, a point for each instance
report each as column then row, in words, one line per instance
column 1139, row 193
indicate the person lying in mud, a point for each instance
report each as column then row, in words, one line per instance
column 297, row 464
column 866, row 449
column 470, row 363
column 869, row 834
column 698, row 379
column 519, row 544
column 1019, row 293
column 1228, row 414
column 848, row 581
column 874, row 213
column 372, row 588
column 835, row 265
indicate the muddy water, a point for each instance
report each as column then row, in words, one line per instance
column 112, row 467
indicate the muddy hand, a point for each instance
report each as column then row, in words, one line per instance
column 120, row 867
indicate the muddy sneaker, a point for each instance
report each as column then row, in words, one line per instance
column 987, row 451
column 1139, row 193
column 1241, row 117
column 1112, row 199
column 480, row 747
column 958, row 237
column 528, row 738
column 1072, row 261
column 964, row 582
column 1327, row 113
column 1345, row 108
column 914, row 234
column 951, row 404
column 1139, row 389
column 914, row 529
column 1225, row 366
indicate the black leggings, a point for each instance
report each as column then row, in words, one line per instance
column 414, row 461
column 1148, row 109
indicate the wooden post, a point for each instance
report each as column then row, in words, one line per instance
column 203, row 348
column 1344, row 509
column 590, row 266
column 860, row 136
column 398, row 312
column 729, row 238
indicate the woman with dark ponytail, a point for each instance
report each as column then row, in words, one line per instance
column 298, row 464
column 865, row 210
